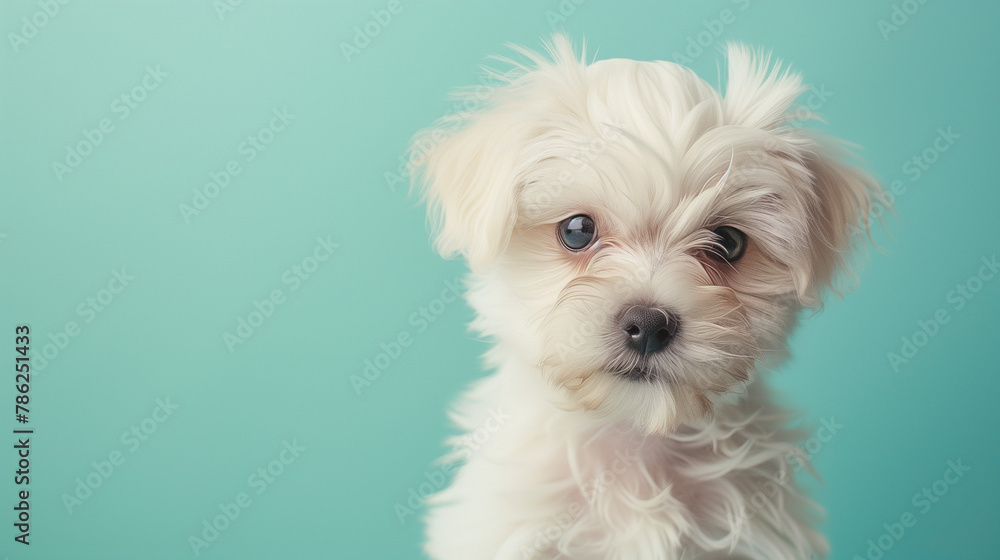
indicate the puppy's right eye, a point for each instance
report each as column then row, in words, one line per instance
column 578, row 232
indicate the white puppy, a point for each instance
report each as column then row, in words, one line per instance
column 640, row 247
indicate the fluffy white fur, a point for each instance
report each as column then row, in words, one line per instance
column 697, row 461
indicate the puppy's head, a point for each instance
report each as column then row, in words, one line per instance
column 641, row 238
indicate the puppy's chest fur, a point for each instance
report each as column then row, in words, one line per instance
column 543, row 483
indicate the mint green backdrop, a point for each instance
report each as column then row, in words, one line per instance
column 197, row 227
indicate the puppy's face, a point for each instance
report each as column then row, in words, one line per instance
column 642, row 239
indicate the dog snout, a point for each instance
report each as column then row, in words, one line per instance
column 648, row 330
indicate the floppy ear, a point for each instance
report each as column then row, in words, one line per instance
column 471, row 181
column 840, row 210
column 472, row 166
column 838, row 196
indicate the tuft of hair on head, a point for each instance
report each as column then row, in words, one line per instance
column 760, row 93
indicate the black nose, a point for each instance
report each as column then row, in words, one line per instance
column 648, row 330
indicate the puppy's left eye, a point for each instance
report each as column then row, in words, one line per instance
column 578, row 232
column 732, row 243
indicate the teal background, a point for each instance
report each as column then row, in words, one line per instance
column 323, row 176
